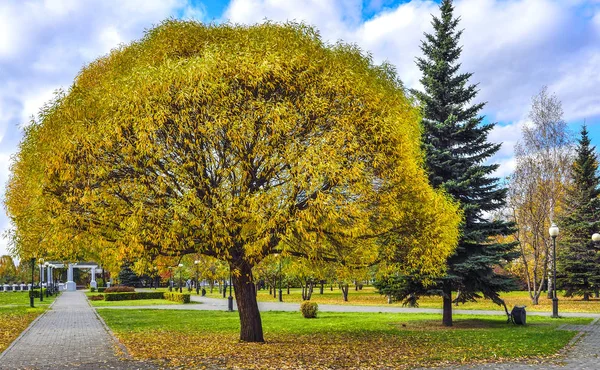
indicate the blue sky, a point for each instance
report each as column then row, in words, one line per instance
column 513, row 47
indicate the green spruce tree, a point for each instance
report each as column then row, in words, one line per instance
column 126, row 275
column 456, row 147
column 578, row 257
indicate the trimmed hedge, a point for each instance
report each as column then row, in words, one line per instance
column 309, row 309
column 97, row 297
column 119, row 289
column 101, row 289
column 177, row 297
column 129, row 296
column 92, row 290
column 36, row 293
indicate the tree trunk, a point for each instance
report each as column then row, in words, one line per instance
column 322, row 286
column 310, row 286
column 356, row 285
column 597, row 293
column 288, row 288
column 586, row 296
column 332, row 287
column 447, row 297
column 345, row 292
column 250, row 322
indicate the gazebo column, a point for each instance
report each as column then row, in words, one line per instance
column 93, row 283
column 49, row 277
column 71, row 286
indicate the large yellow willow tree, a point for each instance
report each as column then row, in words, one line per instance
column 237, row 143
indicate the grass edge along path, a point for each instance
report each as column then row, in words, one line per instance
column 16, row 315
column 333, row 340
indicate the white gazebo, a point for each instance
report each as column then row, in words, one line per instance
column 71, row 286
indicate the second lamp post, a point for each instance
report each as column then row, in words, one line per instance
column 554, row 233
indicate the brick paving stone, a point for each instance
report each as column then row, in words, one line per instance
column 69, row 336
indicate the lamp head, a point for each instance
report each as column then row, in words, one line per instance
column 181, row 265
column 596, row 237
column 553, row 230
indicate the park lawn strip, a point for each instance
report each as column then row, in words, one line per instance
column 22, row 299
column 333, row 340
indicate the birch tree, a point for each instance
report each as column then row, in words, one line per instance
column 537, row 187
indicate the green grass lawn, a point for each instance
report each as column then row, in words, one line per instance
column 9, row 299
column 333, row 340
column 16, row 315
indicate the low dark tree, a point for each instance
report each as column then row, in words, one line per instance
column 127, row 277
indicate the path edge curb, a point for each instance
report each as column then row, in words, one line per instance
column 116, row 340
column 14, row 342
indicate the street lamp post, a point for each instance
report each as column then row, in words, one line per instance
column 230, row 299
column 170, row 278
column 180, row 289
column 32, row 277
column 553, row 231
column 196, row 262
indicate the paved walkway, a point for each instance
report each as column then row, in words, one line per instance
column 69, row 336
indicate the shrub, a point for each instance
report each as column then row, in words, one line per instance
column 101, row 289
column 130, row 296
column 309, row 309
column 119, row 289
column 177, row 297
column 97, row 297
column 92, row 290
column 36, row 293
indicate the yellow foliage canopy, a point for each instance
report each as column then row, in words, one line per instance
column 234, row 142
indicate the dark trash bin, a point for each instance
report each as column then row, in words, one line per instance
column 519, row 315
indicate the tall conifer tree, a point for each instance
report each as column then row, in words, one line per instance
column 579, row 260
column 456, row 146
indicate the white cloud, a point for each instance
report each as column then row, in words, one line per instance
column 513, row 47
